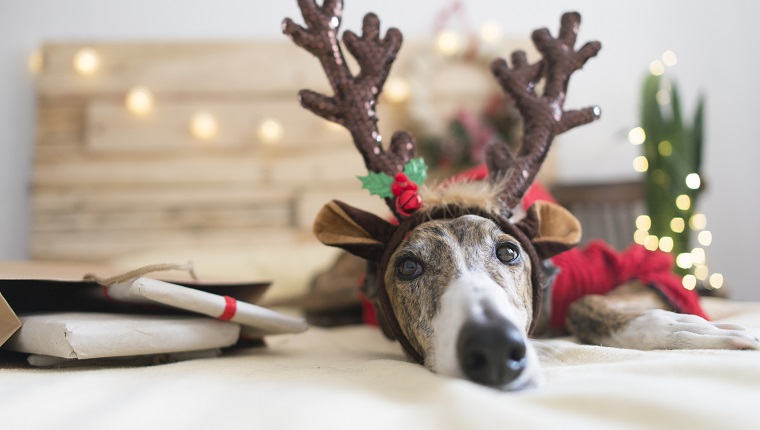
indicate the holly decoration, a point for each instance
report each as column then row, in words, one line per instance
column 407, row 199
column 416, row 170
column 378, row 184
column 403, row 186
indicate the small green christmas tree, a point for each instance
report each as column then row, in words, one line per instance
column 672, row 161
column 673, row 150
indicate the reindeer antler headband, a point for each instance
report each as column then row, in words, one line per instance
column 354, row 102
column 394, row 174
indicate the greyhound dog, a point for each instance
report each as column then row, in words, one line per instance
column 459, row 279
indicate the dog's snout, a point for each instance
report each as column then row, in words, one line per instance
column 491, row 353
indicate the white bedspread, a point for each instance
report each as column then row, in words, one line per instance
column 353, row 378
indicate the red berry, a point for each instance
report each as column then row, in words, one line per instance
column 401, row 177
column 410, row 186
column 396, row 188
column 408, row 202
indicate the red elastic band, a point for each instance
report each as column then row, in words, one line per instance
column 230, row 307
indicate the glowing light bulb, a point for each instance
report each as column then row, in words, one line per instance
column 666, row 244
column 637, row 136
column 683, row 202
column 704, row 238
column 698, row 222
column 35, row 62
column 684, row 260
column 665, row 148
column 203, row 125
column 689, row 282
column 656, row 68
column 270, row 131
column 716, row 280
column 490, row 32
column 397, row 90
column 86, row 61
column 449, row 43
column 643, row 222
column 663, row 96
column 693, row 181
column 701, row 272
column 640, row 236
column 669, row 58
column 677, row 224
column 139, row 100
column 698, row 256
column 651, row 242
column 640, row 164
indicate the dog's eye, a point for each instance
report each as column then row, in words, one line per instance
column 508, row 253
column 408, row 269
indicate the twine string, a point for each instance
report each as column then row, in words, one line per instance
column 142, row 271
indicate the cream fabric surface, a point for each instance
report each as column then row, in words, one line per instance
column 352, row 378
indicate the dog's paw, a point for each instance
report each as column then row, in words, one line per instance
column 660, row 329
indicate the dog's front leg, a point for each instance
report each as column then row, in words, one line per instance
column 634, row 316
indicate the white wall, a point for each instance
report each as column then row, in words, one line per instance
column 715, row 43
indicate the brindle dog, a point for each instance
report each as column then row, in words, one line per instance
column 459, row 278
column 462, row 292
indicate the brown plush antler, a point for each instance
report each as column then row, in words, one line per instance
column 353, row 104
column 543, row 115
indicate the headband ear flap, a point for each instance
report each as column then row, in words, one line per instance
column 551, row 228
column 354, row 230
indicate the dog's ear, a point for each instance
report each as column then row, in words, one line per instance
column 551, row 228
column 354, row 230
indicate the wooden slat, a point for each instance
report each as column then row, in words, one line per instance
column 150, row 209
column 53, row 121
column 153, row 171
column 325, row 167
column 210, row 67
column 309, row 203
column 57, row 153
column 111, row 128
column 339, row 166
column 103, row 246
column 113, row 199
column 255, row 215
column 59, row 122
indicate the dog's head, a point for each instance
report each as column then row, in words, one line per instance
column 458, row 280
column 461, row 292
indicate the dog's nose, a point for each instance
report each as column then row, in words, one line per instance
column 491, row 353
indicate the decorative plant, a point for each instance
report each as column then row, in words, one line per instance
column 673, row 158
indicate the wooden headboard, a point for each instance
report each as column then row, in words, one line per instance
column 110, row 183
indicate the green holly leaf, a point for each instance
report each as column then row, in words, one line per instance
column 416, row 170
column 378, row 184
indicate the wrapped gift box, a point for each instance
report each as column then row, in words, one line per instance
column 62, row 315
column 86, row 335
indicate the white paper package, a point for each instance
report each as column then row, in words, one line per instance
column 98, row 335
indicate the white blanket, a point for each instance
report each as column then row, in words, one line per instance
column 353, row 378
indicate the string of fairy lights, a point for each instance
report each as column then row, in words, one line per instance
column 140, row 101
column 204, row 124
column 694, row 261
column 449, row 43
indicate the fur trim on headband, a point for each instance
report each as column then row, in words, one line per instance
column 465, row 194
